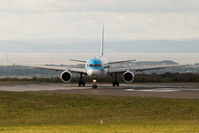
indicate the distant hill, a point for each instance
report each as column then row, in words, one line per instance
column 6, row 71
column 81, row 45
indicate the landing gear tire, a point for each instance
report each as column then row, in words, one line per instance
column 81, row 83
column 116, row 84
column 94, row 86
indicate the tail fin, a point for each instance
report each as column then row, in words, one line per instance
column 102, row 43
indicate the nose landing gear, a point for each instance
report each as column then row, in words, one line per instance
column 94, row 85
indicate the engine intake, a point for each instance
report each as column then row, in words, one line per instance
column 128, row 76
column 66, row 76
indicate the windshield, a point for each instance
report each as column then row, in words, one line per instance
column 94, row 65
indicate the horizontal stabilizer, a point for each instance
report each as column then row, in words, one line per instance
column 117, row 62
column 83, row 61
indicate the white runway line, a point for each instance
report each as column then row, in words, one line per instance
column 156, row 90
column 24, row 88
column 130, row 90
column 190, row 89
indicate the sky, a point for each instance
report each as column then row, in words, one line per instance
column 82, row 19
column 168, row 28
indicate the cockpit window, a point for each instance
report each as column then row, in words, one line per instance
column 97, row 65
column 90, row 65
column 94, row 65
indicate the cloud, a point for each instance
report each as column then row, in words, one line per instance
column 102, row 5
column 123, row 19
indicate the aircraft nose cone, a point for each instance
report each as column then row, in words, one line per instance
column 93, row 72
column 89, row 72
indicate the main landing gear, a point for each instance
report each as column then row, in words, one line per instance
column 81, row 81
column 116, row 83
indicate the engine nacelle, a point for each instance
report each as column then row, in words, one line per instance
column 66, row 76
column 128, row 76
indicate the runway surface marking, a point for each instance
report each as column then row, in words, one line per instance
column 166, row 90
column 155, row 90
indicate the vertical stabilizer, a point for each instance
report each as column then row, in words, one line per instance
column 102, row 43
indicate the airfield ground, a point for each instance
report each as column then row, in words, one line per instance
column 50, row 111
column 163, row 90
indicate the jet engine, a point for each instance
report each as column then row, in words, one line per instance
column 128, row 76
column 66, row 76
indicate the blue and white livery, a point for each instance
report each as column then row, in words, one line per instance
column 97, row 67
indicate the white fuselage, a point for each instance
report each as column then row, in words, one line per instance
column 95, row 67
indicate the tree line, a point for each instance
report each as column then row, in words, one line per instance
column 139, row 78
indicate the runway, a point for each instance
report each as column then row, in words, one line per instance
column 164, row 90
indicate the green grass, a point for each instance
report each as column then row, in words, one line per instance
column 100, row 129
column 41, row 112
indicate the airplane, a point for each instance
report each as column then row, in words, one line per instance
column 99, row 67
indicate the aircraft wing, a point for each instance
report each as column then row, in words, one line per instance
column 121, row 70
column 74, row 70
column 77, row 70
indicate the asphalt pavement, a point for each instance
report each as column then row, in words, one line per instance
column 164, row 90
